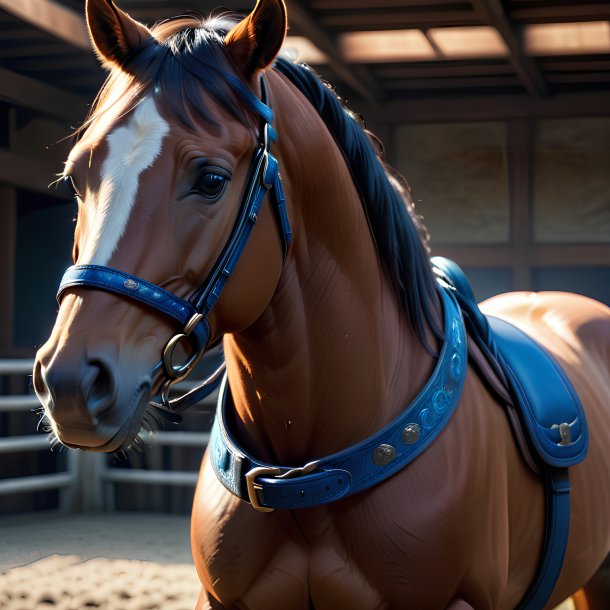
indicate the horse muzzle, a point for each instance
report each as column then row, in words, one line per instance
column 92, row 403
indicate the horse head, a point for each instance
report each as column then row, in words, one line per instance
column 159, row 172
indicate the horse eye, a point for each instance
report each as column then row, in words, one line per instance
column 69, row 182
column 211, row 184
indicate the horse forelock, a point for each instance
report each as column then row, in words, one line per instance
column 185, row 65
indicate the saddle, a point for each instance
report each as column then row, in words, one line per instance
column 546, row 415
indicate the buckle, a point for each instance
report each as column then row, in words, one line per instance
column 253, row 487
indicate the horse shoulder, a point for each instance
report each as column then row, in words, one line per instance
column 243, row 557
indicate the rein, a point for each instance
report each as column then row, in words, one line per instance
column 191, row 314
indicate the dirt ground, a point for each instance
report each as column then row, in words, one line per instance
column 108, row 562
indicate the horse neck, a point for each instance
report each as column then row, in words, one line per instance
column 333, row 358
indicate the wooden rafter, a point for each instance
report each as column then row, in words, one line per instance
column 30, row 175
column 381, row 4
column 51, row 17
column 397, row 19
column 554, row 13
column 490, row 108
column 44, row 98
column 357, row 78
column 536, row 255
column 492, row 11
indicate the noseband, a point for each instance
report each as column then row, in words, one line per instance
column 192, row 314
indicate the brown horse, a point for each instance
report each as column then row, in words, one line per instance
column 325, row 343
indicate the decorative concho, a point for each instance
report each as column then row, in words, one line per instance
column 440, row 402
column 456, row 366
column 426, row 418
column 131, row 284
column 411, row 434
column 384, row 454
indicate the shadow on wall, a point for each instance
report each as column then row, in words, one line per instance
column 45, row 232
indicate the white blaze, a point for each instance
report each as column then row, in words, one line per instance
column 132, row 149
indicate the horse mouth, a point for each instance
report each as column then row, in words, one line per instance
column 128, row 432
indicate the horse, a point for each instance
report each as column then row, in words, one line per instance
column 312, row 267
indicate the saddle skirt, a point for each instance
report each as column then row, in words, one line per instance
column 545, row 412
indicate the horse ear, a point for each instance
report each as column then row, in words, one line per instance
column 114, row 34
column 256, row 41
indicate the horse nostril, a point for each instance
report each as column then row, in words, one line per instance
column 101, row 387
column 39, row 385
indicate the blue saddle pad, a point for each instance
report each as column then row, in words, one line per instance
column 549, row 409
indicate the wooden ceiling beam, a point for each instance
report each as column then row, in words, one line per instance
column 498, row 107
column 36, row 50
column 579, row 77
column 557, row 13
column 398, row 19
column 584, row 64
column 425, row 84
column 358, row 78
column 328, row 5
column 51, row 17
column 492, row 11
column 52, row 101
column 539, row 255
column 446, row 70
column 30, row 175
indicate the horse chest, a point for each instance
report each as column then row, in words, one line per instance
column 349, row 556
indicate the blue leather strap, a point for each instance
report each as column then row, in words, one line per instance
column 281, row 214
column 137, row 289
column 557, row 489
column 264, row 174
column 361, row 466
column 126, row 284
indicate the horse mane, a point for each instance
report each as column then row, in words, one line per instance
column 398, row 231
column 187, row 57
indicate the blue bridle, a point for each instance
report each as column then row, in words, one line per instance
column 191, row 315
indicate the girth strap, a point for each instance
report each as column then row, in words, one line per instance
column 557, row 529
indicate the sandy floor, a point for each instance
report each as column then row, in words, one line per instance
column 109, row 562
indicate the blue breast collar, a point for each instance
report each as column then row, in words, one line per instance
column 268, row 486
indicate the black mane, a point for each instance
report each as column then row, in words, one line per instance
column 397, row 230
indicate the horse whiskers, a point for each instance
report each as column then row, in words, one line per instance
column 151, row 422
column 43, row 419
column 53, row 439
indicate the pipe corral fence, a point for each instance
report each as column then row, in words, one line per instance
column 87, row 481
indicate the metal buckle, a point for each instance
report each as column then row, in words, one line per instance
column 253, row 487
